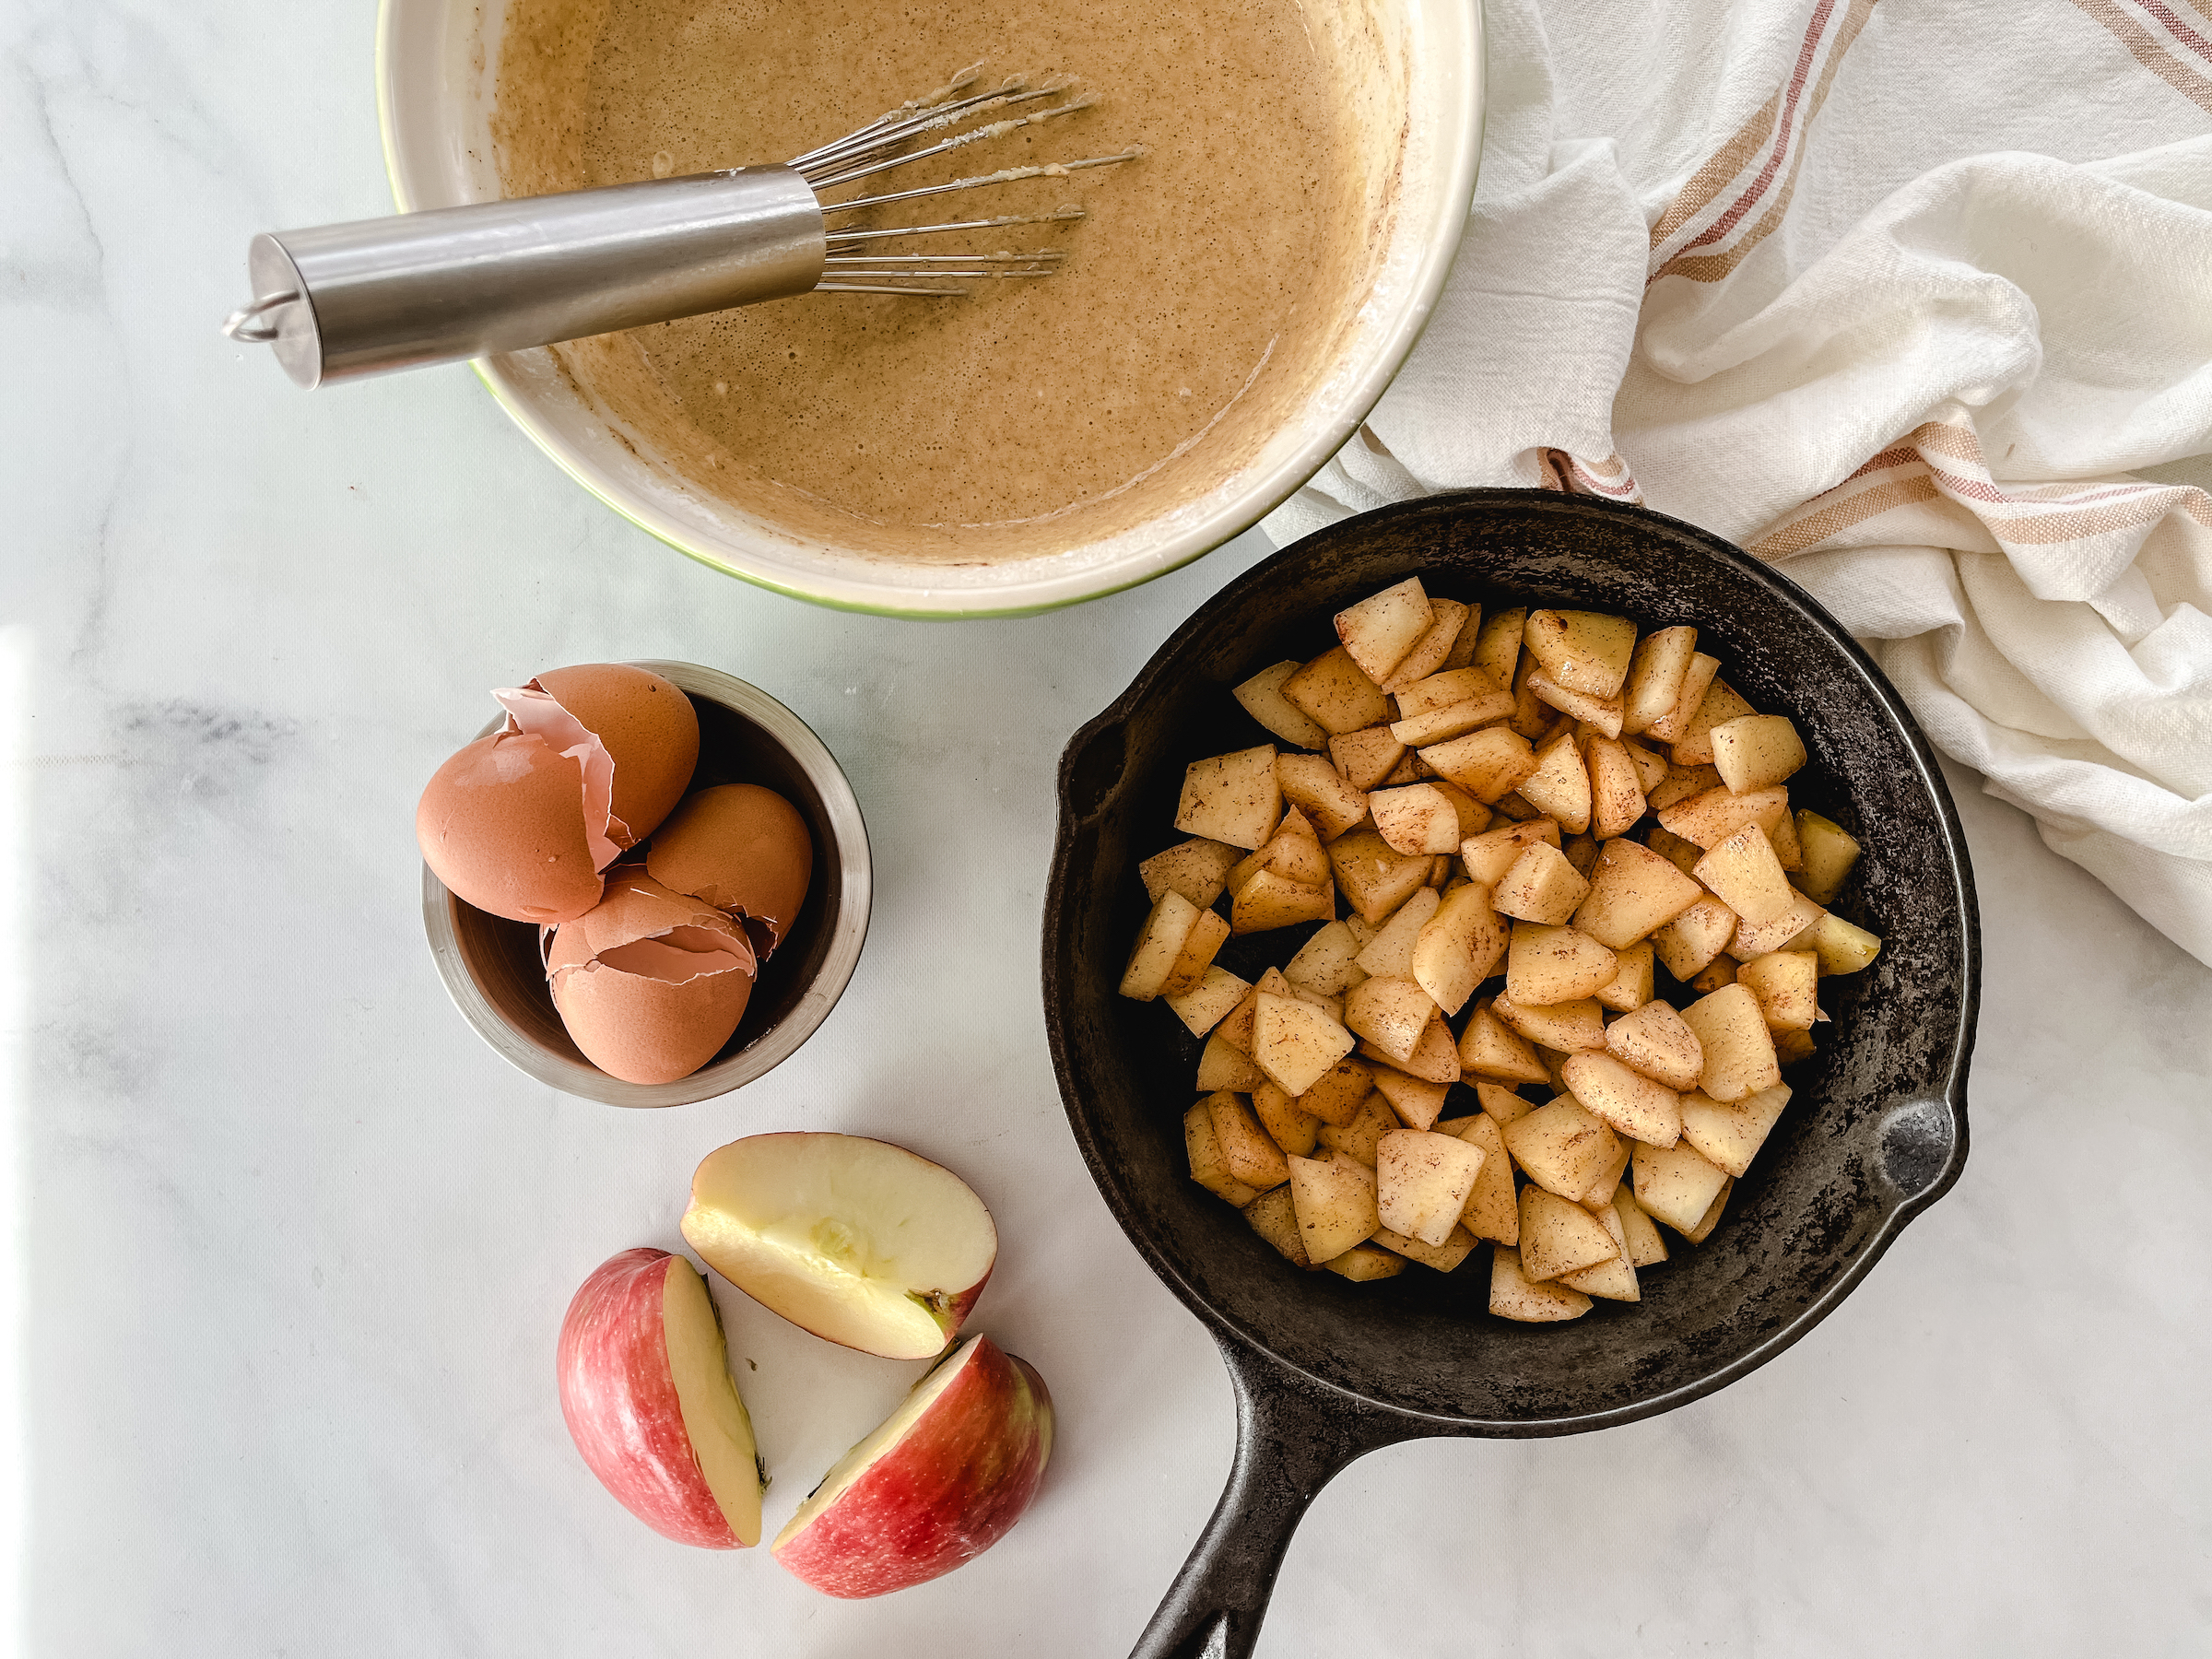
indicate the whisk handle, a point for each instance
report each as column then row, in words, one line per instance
column 343, row 300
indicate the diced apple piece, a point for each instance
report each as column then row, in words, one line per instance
column 1696, row 680
column 1366, row 757
column 1362, row 1262
column 1208, row 1168
column 1561, row 1146
column 1694, row 747
column 1532, row 717
column 1416, row 820
column 1211, row 1001
column 1359, row 1137
column 1457, row 947
column 1490, row 1048
column 1730, row 1137
column 1581, row 852
column 1320, row 791
column 1632, row 1104
column 1693, row 938
column 1380, row 632
column 1473, row 816
column 1331, row 1006
column 1560, row 785
column 1326, row 960
column 1616, row 789
column 1290, row 1126
column 1751, row 940
column 1221, row 1066
column 1448, row 616
column 1631, row 987
column 1681, row 783
column 1788, row 852
column 1568, row 1027
column 1443, row 1257
column 1489, row 855
column 1498, row 643
column 1295, row 850
column 1559, row 1236
column 1262, row 698
column 1744, row 873
column 1208, row 932
column 1739, row 1054
column 1513, row 1296
column 1643, row 1246
column 1839, row 947
column 1541, row 885
column 1196, row 868
column 1657, row 671
column 1828, row 855
column 1416, row 1101
column 1545, row 966
column 1375, row 878
column 1462, row 654
column 1583, row 650
column 1793, row 1046
column 1448, row 690
column 1502, row 1101
column 1294, row 1043
column 1785, row 982
column 1601, row 715
column 1676, row 1184
column 1248, row 1151
column 1422, row 1181
column 1651, row 769
column 1335, row 1201
column 1390, row 1013
column 1488, row 764
column 1720, row 971
column 1389, row 954
column 1454, row 720
column 1754, row 750
column 1492, row 1210
column 1614, row 1279
column 1159, row 946
column 1656, row 1041
column 1433, row 1060
column 1275, row 1218
column 1711, row 1217
column 1710, row 818
column 1232, row 798
column 1633, row 892
column 1331, row 692
column 1269, row 900
column 1340, row 1092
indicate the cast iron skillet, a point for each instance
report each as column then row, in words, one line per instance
column 1326, row 1371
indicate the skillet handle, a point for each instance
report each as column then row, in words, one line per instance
column 1293, row 1436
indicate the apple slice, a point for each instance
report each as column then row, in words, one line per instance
column 860, row 1241
column 645, row 1389
column 938, row 1482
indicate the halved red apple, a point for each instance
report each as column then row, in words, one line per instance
column 645, row 1387
column 942, row 1480
column 855, row 1240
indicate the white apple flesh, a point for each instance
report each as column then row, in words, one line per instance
column 645, row 1388
column 938, row 1482
column 860, row 1241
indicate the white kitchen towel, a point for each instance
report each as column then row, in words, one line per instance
column 1899, row 294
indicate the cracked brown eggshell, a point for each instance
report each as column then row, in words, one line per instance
column 743, row 849
column 650, row 728
column 649, row 983
column 502, row 824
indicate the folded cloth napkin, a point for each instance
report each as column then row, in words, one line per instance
column 1902, row 297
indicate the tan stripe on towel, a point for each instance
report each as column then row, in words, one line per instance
column 1854, row 509
column 1719, row 168
column 2131, row 34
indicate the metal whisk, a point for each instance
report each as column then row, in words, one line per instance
column 339, row 301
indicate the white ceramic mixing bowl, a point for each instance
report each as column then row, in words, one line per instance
column 437, row 62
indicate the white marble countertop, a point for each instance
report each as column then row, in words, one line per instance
column 293, row 1244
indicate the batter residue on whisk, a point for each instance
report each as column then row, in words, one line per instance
column 1197, row 297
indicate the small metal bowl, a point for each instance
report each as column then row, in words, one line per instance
column 495, row 975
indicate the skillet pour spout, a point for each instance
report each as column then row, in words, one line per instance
column 1326, row 1371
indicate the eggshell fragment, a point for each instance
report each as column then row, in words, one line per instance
column 502, row 824
column 743, row 849
column 649, row 983
column 647, row 726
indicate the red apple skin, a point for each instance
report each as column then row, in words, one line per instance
column 951, row 1489
column 620, row 1399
